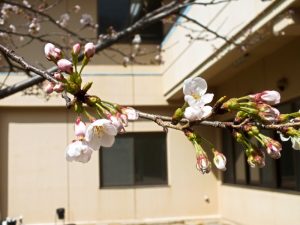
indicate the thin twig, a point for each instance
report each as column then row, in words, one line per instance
column 53, row 21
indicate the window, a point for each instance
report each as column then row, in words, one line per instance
column 136, row 159
column 122, row 13
column 283, row 173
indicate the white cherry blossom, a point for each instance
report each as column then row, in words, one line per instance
column 193, row 113
column 101, row 133
column 194, row 90
column 78, row 151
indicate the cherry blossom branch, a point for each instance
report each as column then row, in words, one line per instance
column 165, row 121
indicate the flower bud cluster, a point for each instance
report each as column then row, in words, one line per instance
column 73, row 83
column 257, row 106
column 203, row 164
column 255, row 157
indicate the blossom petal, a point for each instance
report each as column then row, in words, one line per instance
column 206, row 110
column 107, row 140
column 296, row 143
column 207, row 98
column 95, row 143
column 110, row 129
column 89, row 133
column 192, row 85
column 283, row 138
column 190, row 100
column 78, row 151
column 200, row 84
column 190, row 113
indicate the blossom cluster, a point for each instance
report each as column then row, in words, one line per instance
column 100, row 132
column 252, row 111
column 111, row 118
column 195, row 108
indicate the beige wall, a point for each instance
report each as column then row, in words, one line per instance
column 260, row 207
column 134, row 85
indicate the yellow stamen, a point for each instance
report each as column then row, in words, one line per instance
column 196, row 96
column 98, row 130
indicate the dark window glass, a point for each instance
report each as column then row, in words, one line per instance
column 134, row 159
column 150, row 159
column 122, row 13
column 268, row 173
column 117, row 163
column 287, row 167
column 240, row 162
column 228, row 176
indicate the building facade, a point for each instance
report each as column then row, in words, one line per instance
column 36, row 179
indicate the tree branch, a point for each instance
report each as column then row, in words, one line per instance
column 9, row 53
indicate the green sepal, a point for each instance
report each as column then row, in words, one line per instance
column 92, row 100
column 72, row 87
column 78, row 107
column 87, row 86
column 177, row 116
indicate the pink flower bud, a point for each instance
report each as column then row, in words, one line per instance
column 268, row 113
column 203, row 164
column 256, row 159
column 80, row 128
column 220, row 161
column 48, row 49
column 58, row 76
column 52, row 53
column 49, row 88
column 124, row 120
column 65, row 66
column 273, row 147
column 76, row 49
column 59, row 87
column 268, row 97
column 89, row 50
column 131, row 113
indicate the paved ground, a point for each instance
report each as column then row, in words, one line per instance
column 191, row 222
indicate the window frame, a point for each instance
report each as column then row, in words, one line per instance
column 135, row 183
column 155, row 37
